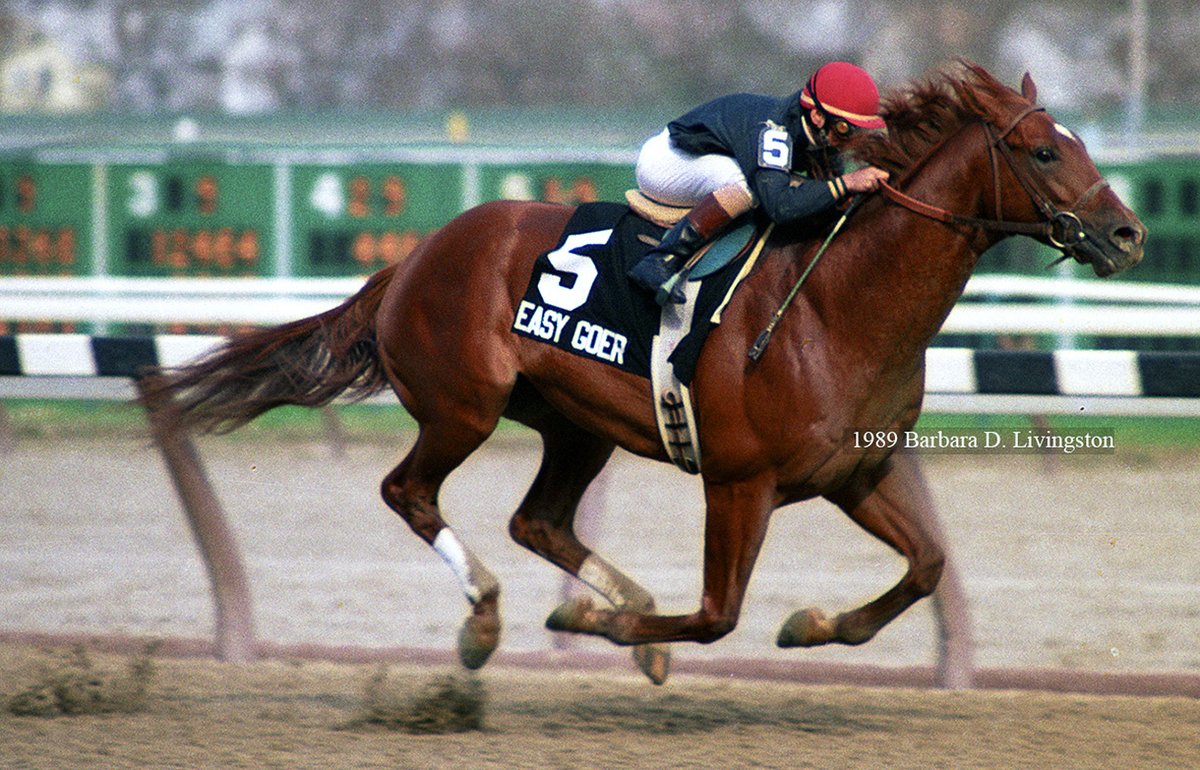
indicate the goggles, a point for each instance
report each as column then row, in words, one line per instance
column 840, row 126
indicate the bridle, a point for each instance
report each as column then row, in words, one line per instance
column 1063, row 229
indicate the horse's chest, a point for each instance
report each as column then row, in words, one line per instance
column 814, row 480
column 823, row 459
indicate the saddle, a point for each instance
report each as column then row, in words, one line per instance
column 713, row 256
column 579, row 300
column 661, row 214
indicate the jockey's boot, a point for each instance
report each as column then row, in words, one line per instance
column 699, row 226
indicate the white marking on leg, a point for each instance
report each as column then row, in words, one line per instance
column 597, row 574
column 454, row 553
column 613, row 585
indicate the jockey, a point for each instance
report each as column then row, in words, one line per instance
column 744, row 150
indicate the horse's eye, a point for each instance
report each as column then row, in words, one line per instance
column 1044, row 154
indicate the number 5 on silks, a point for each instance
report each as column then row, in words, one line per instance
column 775, row 148
column 566, row 260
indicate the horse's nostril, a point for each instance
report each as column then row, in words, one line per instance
column 1128, row 235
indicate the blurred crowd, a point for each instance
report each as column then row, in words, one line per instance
column 258, row 56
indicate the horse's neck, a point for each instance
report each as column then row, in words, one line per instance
column 896, row 275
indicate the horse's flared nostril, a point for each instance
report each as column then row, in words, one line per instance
column 1128, row 236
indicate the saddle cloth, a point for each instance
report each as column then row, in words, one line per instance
column 580, row 300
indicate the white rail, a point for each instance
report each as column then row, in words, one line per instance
column 985, row 285
column 1075, row 307
column 1127, row 309
column 1038, row 318
column 170, row 300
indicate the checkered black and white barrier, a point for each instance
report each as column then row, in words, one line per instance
column 975, row 380
column 1063, row 373
column 81, row 355
column 84, row 366
column 1097, row 382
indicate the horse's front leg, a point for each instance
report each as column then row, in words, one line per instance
column 735, row 525
column 891, row 502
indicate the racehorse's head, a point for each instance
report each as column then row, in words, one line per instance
column 1037, row 178
column 1052, row 178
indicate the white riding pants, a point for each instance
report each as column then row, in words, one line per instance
column 677, row 178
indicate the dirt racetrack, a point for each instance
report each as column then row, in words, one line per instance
column 282, row 714
column 1088, row 563
column 1093, row 564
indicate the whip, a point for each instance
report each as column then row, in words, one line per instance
column 760, row 344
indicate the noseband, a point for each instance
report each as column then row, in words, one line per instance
column 1063, row 229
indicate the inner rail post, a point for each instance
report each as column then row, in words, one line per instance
column 235, row 637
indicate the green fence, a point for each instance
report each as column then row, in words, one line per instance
column 186, row 210
column 1166, row 195
column 154, row 212
column 46, row 218
column 186, row 216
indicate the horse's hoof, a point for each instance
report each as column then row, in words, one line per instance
column 578, row 615
column 654, row 660
column 806, row 628
column 478, row 638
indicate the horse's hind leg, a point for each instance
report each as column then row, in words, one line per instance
column 544, row 524
column 411, row 490
column 891, row 503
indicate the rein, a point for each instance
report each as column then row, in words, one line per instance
column 1063, row 229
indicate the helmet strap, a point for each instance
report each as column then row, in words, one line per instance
column 820, row 132
column 812, row 92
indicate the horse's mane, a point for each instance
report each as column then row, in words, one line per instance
column 923, row 114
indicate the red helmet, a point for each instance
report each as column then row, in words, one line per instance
column 845, row 91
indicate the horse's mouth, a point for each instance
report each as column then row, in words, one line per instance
column 1110, row 250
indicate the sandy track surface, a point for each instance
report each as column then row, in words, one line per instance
column 1092, row 564
column 280, row 714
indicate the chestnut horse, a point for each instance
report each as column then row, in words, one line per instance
column 976, row 160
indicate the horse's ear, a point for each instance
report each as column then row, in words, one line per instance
column 1029, row 88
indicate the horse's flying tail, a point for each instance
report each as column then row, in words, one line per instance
column 308, row 362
